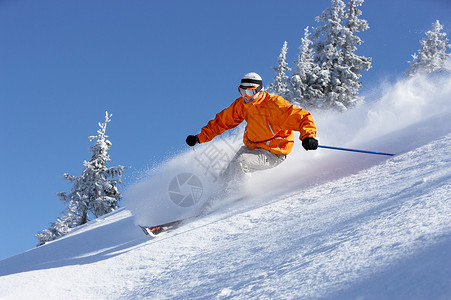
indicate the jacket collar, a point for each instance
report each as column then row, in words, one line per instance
column 258, row 100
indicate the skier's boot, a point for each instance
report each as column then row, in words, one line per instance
column 153, row 231
column 156, row 230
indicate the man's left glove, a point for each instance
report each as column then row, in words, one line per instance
column 310, row 143
column 192, row 140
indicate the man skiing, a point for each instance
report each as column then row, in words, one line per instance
column 268, row 136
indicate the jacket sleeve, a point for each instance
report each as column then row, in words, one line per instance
column 227, row 119
column 298, row 119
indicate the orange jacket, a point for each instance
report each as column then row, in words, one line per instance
column 270, row 123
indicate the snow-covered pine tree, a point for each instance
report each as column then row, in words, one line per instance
column 433, row 53
column 306, row 80
column 327, row 55
column 354, row 64
column 335, row 43
column 280, row 84
column 56, row 230
column 94, row 192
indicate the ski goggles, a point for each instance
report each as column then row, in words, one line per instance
column 249, row 91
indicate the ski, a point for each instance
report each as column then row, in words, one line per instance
column 156, row 230
column 208, row 208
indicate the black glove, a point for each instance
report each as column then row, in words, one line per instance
column 310, row 143
column 192, row 140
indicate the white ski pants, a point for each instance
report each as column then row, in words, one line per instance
column 248, row 161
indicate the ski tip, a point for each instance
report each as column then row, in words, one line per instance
column 145, row 230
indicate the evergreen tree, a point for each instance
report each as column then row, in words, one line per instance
column 433, row 53
column 306, row 80
column 280, row 84
column 93, row 193
column 335, row 45
column 353, row 63
column 327, row 70
column 326, row 40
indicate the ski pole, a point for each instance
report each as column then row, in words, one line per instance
column 355, row 150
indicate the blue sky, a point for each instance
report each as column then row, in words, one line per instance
column 162, row 68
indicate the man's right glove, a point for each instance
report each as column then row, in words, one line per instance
column 310, row 143
column 192, row 140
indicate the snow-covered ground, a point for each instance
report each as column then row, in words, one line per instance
column 324, row 225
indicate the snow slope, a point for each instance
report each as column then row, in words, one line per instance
column 328, row 225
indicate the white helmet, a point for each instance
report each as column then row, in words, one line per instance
column 251, row 79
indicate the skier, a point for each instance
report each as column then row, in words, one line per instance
column 268, row 136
